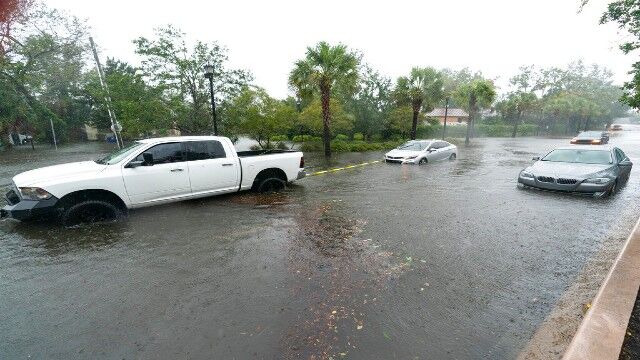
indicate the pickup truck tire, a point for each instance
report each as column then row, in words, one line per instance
column 272, row 184
column 90, row 211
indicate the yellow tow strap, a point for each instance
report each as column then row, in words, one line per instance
column 343, row 168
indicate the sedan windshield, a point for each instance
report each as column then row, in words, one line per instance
column 413, row 145
column 117, row 156
column 590, row 134
column 579, row 156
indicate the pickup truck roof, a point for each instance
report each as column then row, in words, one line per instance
column 180, row 138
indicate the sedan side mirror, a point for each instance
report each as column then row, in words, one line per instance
column 535, row 158
column 431, row 150
column 148, row 159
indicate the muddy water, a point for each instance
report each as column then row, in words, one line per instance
column 448, row 260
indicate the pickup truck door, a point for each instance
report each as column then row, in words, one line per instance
column 212, row 167
column 166, row 178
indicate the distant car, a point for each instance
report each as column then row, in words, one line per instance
column 591, row 138
column 598, row 170
column 421, row 152
column 616, row 127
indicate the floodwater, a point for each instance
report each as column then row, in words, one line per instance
column 447, row 260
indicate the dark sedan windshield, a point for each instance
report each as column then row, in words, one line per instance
column 579, row 156
column 590, row 135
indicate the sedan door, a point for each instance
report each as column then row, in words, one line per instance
column 166, row 178
column 211, row 169
column 624, row 164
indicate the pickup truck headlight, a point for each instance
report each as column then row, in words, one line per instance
column 34, row 193
column 526, row 175
column 597, row 181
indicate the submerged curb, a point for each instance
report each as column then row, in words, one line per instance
column 602, row 331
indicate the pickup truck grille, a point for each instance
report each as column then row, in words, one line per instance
column 12, row 197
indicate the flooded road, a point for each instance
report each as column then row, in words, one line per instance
column 447, row 260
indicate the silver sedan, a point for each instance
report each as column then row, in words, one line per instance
column 597, row 170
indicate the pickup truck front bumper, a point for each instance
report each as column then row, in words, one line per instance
column 22, row 209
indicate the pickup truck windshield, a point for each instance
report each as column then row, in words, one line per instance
column 579, row 156
column 117, row 156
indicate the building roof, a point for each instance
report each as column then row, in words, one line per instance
column 438, row 112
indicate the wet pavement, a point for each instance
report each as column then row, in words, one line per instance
column 447, row 260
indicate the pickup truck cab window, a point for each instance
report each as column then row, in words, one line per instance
column 204, row 150
column 165, row 153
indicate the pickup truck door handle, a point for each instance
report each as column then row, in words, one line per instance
column 227, row 164
column 174, row 170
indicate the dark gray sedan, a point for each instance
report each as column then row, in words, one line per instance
column 599, row 170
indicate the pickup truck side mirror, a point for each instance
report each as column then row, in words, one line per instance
column 148, row 159
column 134, row 164
column 535, row 158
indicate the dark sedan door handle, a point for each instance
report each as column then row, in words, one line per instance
column 227, row 164
column 174, row 170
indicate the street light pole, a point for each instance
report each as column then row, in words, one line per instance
column 208, row 73
column 446, row 111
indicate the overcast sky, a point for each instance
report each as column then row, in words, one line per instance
column 267, row 36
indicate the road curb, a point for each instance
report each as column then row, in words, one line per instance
column 602, row 331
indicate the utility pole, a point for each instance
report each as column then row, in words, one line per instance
column 208, row 73
column 115, row 126
column 53, row 133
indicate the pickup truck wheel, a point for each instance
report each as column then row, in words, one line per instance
column 90, row 211
column 271, row 185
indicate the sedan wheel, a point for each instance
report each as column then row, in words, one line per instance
column 452, row 156
column 423, row 161
column 613, row 189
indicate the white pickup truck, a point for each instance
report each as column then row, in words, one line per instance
column 148, row 172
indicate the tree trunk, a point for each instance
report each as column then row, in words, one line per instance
column 416, row 105
column 325, row 91
column 586, row 124
column 472, row 115
column 515, row 125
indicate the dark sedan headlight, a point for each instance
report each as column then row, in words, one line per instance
column 34, row 193
column 599, row 180
column 526, row 175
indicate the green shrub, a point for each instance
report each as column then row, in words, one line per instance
column 358, row 137
column 342, row 137
column 277, row 138
column 299, row 138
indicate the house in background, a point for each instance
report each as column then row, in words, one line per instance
column 455, row 116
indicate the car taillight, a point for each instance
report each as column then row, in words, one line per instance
column 302, row 162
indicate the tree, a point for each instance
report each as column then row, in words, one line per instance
column 254, row 113
column 41, row 67
column 476, row 95
column 323, row 67
column 312, row 118
column 371, row 103
column 625, row 13
column 178, row 70
column 422, row 89
column 516, row 105
column 139, row 106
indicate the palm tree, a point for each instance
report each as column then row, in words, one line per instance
column 422, row 89
column 323, row 67
column 478, row 94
